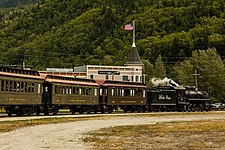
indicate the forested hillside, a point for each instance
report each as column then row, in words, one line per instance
column 67, row 33
column 15, row 3
column 58, row 33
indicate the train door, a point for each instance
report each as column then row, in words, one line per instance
column 103, row 95
column 47, row 93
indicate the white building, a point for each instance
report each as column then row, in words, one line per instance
column 131, row 71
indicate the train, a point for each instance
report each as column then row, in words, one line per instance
column 26, row 92
column 177, row 98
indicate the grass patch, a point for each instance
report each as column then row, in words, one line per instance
column 207, row 134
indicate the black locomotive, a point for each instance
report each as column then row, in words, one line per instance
column 177, row 98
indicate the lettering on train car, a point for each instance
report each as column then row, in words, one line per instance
column 78, row 101
column 164, row 97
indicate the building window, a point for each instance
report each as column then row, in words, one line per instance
column 106, row 77
column 136, row 78
column 132, row 78
column 125, row 78
column 140, row 78
column 91, row 76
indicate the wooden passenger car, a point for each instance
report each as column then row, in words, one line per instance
column 76, row 94
column 20, row 91
column 129, row 96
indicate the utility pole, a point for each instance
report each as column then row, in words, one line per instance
column 196, row 79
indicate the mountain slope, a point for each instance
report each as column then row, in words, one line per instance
column 66, row 33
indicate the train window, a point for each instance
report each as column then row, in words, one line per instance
column 90, row 91
column 116, row 92
column 14, row 86
column 46, row 89
column 80, row 91
column 122, row 92
column 113, row 92
column 32, row 87
column 22, row 87
column 60, row 89
column 29, row 87
column 126, row 92
column 2, row 85
column 106, row 91
column 70, row 90
column 25, row 84
column 83, row 91
column 76, row 90
column 56, row 89
column 100, row 92
column 10, row 86
column 39, row 88
column 73, row 90
column 6, row 86
column 96, row 92
column 143, row 93
column 67, row 90
column 87, row 91
column 131, row 92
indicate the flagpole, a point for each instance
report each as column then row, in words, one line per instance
column 133, row 34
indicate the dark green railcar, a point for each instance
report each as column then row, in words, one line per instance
column 78, row 95
column 20, row 91
column 167, row 98
column 128, row 96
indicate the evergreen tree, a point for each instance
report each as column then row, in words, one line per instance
column 211, row 71
column 159, row 69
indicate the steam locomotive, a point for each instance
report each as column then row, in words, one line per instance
column 28, row 92
column 177, row 98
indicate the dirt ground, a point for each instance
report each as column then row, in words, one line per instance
column 68, row 136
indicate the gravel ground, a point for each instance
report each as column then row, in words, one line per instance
column 68, row 136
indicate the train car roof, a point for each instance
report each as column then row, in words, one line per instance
column 169, row 87
column 18, row 71
column 68, row 80
column 8, row 74
column 179, row 87
column 120, row 83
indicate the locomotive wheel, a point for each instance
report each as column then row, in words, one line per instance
column 46, row 113
column 38, row 111
column 81, row 111
column 110, row 109
column 73, row 112
column 9, row 113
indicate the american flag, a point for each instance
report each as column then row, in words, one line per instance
column 128, row 27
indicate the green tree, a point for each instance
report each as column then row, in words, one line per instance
column 148, row 70
column 159, row 69
column 210, row 68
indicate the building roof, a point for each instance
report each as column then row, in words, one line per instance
column 133, row 57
